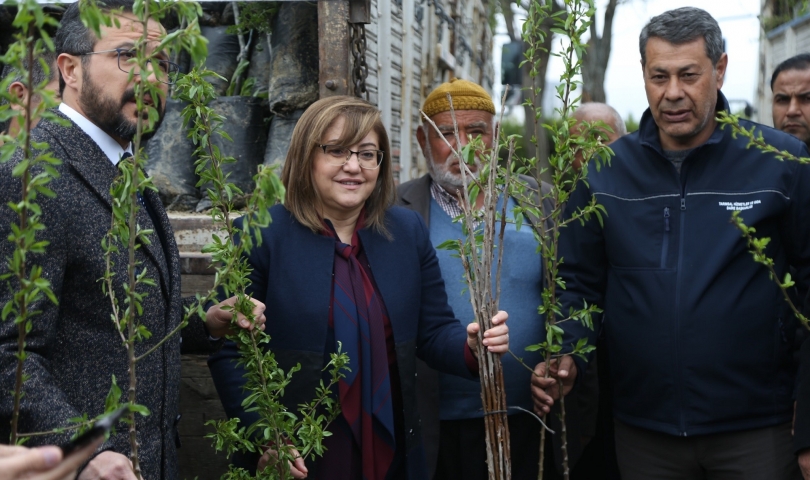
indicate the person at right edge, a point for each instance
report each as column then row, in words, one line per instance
column 801, row 422
column 699, row 337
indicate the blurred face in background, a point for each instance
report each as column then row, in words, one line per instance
column 592, row 115
column 19, row 90
column 791, row 103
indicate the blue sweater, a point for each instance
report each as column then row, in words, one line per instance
column 521, row 286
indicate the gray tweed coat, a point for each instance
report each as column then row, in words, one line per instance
column 74, row 348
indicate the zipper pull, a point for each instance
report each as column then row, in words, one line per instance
column 666, row 219
column 683, row 203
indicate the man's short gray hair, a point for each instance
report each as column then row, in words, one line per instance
column 684, row 25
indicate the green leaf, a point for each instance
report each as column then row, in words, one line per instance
column 113, row 396
column 139, row 409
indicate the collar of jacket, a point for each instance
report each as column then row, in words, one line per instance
column 648, row 129
column 93, row 166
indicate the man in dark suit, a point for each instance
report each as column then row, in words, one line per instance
column 456, row 449
column 74, row 348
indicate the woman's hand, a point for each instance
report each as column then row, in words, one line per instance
column 496, row 339
column 297, row 469
column 218, row 320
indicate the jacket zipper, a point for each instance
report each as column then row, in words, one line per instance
column 678, row 367
column 665, row 244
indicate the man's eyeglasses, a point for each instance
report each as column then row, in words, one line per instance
column 166, row 71
column 338, row 156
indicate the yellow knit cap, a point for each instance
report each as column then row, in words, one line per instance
column 466, row 96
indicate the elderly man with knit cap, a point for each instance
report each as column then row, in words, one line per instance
column 457, row 449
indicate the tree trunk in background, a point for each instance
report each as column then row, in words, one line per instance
column 509, row 19
column 596, row 58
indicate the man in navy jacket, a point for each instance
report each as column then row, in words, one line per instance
column 699, row 336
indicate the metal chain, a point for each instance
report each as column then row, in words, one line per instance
column 360, row 68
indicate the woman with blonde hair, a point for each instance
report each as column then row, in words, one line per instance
column 339, row 263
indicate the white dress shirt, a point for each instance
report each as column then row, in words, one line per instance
column 106, row 143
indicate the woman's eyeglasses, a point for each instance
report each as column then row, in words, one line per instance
column 338, row 156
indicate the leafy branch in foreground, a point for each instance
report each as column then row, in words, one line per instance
column 570, row 24
column 757, row 246
column 265, row 381
column 128, row 189
column 82, row 423
column 35, row 170
column 478, row 257
column 755, row 138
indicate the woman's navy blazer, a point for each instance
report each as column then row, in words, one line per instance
column 292, row 275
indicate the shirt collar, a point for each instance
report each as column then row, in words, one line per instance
column 106, row 143
column 446, row 201
column 439, row 191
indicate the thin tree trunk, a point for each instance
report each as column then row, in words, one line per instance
column 23, row 308
column 596, row 58
column 133, row 434
column 539, row 148
column 509, row 19
column 532, row 125
column 563, row 434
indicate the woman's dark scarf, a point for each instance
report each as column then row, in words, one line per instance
column 359, row 320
